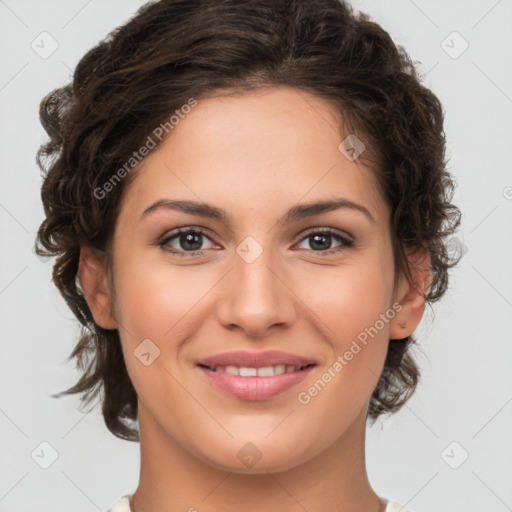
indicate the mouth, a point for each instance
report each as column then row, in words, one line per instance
column 262, row 371
column 253, row 384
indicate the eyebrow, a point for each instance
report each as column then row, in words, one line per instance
column 298, row 212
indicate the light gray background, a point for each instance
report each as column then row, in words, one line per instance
column 466, row 391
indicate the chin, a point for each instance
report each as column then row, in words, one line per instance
column 254, row 459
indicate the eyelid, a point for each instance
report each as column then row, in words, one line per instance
column 347, row 241
column 329, row 230
column 207, row 232
column 186, row 229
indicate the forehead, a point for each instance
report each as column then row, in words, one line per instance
column 259, row 150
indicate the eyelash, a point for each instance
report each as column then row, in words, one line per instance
column 346, row 242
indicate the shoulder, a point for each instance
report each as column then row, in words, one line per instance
column 393, row 506
column 123, row 505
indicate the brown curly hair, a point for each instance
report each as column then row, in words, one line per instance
column 172, row 50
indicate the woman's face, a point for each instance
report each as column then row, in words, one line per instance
column 256, row 280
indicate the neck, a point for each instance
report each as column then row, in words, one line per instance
column 173, row 478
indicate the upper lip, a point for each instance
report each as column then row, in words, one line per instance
column 255, row 359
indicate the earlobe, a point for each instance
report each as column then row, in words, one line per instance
column 92, row 277
column 411, row 295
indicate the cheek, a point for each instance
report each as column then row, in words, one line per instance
column 350, row 313
column 353, row 310
column 151, row 299
column 351, row 298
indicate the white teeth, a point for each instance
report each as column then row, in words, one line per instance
column 264, row 371
column 248, row 372
column 233, row 370
column 279, row 368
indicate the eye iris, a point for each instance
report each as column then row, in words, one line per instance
column 188, row 238
column 320, row 238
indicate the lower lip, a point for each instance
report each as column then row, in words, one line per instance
column 255, row 388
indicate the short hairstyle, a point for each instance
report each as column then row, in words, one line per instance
column 174, row 50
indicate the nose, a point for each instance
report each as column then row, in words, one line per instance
column 256, row 296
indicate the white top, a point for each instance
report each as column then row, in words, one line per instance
column 123, row 505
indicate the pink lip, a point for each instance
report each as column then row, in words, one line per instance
column 255, row 388
column 255, row 359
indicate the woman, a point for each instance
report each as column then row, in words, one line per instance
column 249, row 206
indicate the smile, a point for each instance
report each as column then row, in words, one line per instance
column 250, row 383
column 264, row 371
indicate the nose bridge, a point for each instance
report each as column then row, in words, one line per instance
column 256, row 297
column 253, row 276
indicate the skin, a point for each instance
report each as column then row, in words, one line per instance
column 255, row 155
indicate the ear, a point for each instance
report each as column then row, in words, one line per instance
column 92, row 276
column 409, row 295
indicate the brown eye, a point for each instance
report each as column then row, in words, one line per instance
column 185, row 242
column 321, row 241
